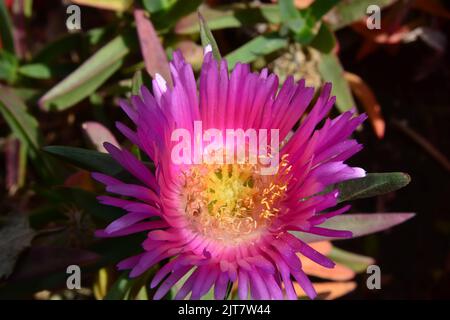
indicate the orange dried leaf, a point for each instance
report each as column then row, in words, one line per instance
column 367, row 98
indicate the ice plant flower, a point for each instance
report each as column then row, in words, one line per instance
column 226, row 223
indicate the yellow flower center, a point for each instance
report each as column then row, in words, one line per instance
column 231, row 203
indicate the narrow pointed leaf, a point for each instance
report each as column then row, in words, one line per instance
column 114, row 5
column 359, row 224
column 258, row 47
column 371, row 185
column 6, row 36
column 356, row 262
column 89, row 76
column 208, row 38
column 331, row 70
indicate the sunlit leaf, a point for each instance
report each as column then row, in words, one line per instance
column 115, row 5
column 36, row 70
column 207, row 38
column 6, row 36
column 258, row 47
column 154, row 55
column 89, row 76
column 98, row 134
column 331, row 70
column 229, row 16
column 86, row 159
column 290, row 16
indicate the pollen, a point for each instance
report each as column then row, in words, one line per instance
column 232, row 202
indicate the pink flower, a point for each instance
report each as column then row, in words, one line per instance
column 227, row 222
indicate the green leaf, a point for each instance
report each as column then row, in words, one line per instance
column 89, row 76
column 351, row 11
column 155, row 57
column 229, row 16
column 325, row 40
column 6, row 36
column 114, row 5
column 331, row 70
column 137, row 82
column 320, row 7
column 258, row 47
column 356, row 262
column 154, row 6
column 16, row 235
column 8, row 66
column 86, row 159
column 120, row 288
column 25, row 127
column 373, row 184
column 359, row 224
column 290, row 16
column 208, row 38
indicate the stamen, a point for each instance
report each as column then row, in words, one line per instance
column 233, row 202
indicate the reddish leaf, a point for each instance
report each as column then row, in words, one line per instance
column 154, row 55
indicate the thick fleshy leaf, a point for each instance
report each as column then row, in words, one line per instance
column 24, row 126
column 115, row 5
column 359, row 224
column 155, row 57
column 258, row 47
column 89, row 76
column 331, row 70
column 207, row 37
column 98, row 134
column 371, row 185
column 36, row 71
column 86, row 159
column 137, row 82
column 328, row 290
